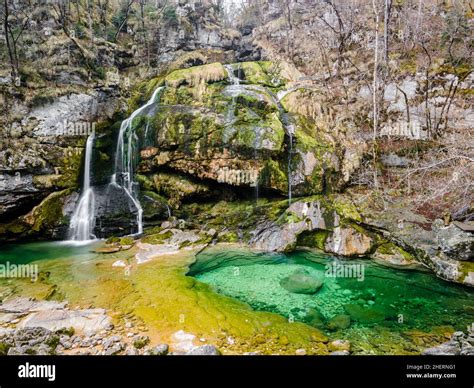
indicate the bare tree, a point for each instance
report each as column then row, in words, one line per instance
column 125, row 18
column 12, row 35
column 375, row 89
column 386, row 23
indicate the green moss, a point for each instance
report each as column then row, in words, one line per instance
column 49, row 213
column 142, row 92
column 66, row 331
column 157, row 238
column 177, row 188
column 195, row 75
column 315, row 239
column 145, row 182
column 70, row 169
column 141, row 342
column 229, row 237
column 262, row 73
column 273, row 175
column 4, row 348
column 346, row 208
column 53, row 341
column 126, row 241
column 466, row 269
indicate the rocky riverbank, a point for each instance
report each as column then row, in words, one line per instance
column 31, row 327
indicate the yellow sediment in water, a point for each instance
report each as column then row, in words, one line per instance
column 165, row 300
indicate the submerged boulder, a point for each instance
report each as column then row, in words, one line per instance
column 301, row 282
column 364, row 314
column 339, row 322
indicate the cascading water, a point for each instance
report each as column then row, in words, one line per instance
column 290, row 130
column 235, row 89
column 233, row 79
column 126, row 159
column 82, row 223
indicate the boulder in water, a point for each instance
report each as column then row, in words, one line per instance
column 339, row 322
column 365, row 314
column 300, row 282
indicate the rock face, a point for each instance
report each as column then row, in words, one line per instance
column 446, row 250
column 329, row 226
column 227, row 126
column 348, row 242
column 41, row 161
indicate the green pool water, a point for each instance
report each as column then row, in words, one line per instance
column 383, row 300
column 387, row 311
column 45, row 250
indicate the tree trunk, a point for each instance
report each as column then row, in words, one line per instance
column 374, row 90
column 10, row 43
column 387, row 9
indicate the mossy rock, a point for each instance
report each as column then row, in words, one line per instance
column 157, row 238
column 339, row 322
column 313, row 239
column 367, row 315
column 195, row 75
column 228, row 237
column 48, row 215
column 263, row 73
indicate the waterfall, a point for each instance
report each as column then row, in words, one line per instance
column 291, row 130
column 82, row 223
column 126, row 159
column 232, row 78
column 257, row 145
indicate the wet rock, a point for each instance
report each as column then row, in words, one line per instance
column 131, row 351
column 339, row 322
column 32, row 341
column 340, row 353
column 301, row 283
column 92, row 320
column 454, row 242
column 160, row 350
column 451, row 348
column 141, row 341
column 110, row 341
column 304, row 216
column 346, row 241
column 182, row 342
column 114, row 349
column 28, row 305
column 339, row 345
column 205, row 350
column 364, row 314
column 459, row 344
column 314, row 318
